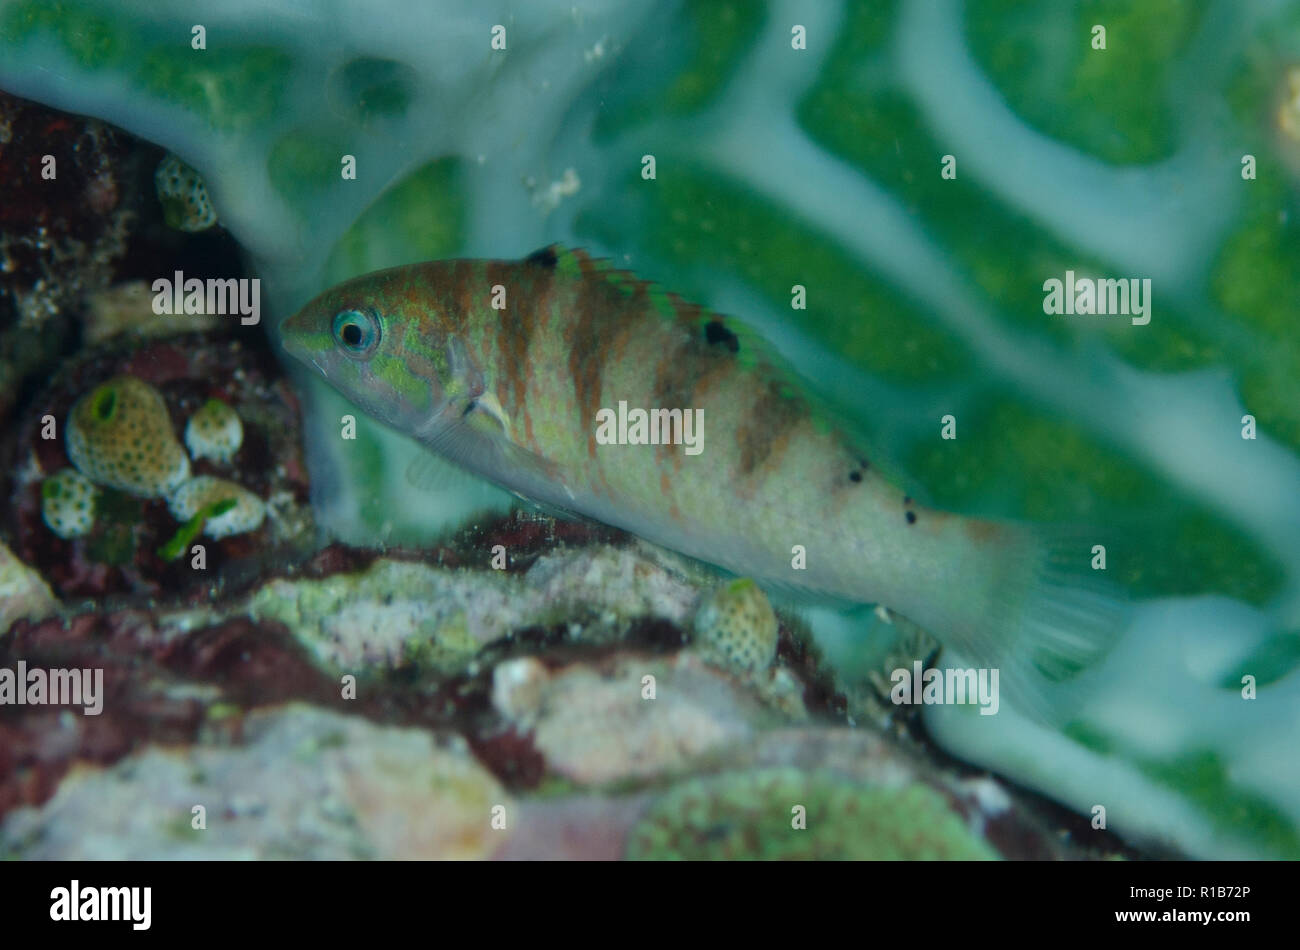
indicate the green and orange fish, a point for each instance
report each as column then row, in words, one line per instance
column 522, row 372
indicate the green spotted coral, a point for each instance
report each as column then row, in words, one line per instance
column 786, row 814
column 207, row 493
column 214, row 432
column 735, row 627
column 68, row 503
column 184, row 197
column 120, row 434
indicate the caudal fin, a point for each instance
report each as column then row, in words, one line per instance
column 1039, row 612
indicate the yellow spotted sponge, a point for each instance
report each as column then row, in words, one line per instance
column 204, row 491
column 735, row 627
column 119, row 434
column 214, row 432
column 184, row 197
column 68, row 503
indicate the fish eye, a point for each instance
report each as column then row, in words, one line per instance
column 356, row 331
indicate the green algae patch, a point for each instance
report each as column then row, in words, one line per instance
column 368, row 465
column 303, row 165
column 229, row 87
column 1024, row 462
column 232, row 88
column 1200, row 777
column 698, row 216
column 1257, row 276
column 753, row 816
column 181, row 828
column 1110, row 103
column 421, row 217
column 91, row 40
column 1257, row 76
column 882, row 133
column 1274, row 659
column 1256, row 279
column 192, row 528
column 379, row 620
column 720, row 32
column 447, row 649
column 1168, row 344
column 369, row 89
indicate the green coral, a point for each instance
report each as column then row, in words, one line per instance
column 751, row 815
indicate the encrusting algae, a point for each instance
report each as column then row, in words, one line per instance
column 788, row 815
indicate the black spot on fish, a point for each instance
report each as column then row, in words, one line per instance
column 715, row 332
column 469, row 407
column 911, row 517
column 855, row 476
column 907, row 500
column 543, row 258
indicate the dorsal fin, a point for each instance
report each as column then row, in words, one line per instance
column 575, row 262
column 750, row 348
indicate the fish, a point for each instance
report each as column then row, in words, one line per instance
column 523, row 371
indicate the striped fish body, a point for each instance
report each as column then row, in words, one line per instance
column 520, row 370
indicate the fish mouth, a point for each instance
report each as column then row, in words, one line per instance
column 301, row 353
column 290, row 341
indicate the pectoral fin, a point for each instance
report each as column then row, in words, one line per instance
column 475, row 434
